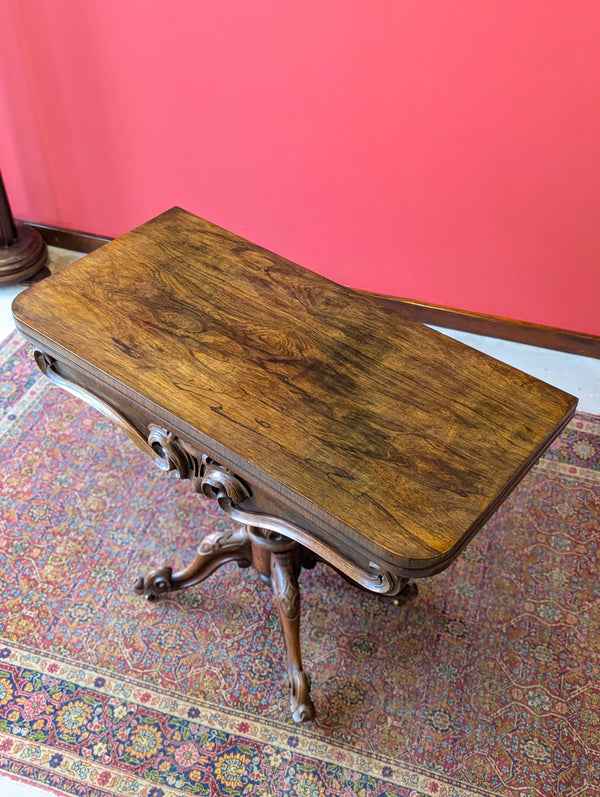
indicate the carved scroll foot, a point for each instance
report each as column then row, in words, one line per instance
column 155, row 584
column 215, row 550
column 286, row 592
column 303, row 709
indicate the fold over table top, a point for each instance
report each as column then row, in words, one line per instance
column 391, row 433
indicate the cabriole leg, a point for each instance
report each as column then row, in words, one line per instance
column 215, row 550
column 286, row 592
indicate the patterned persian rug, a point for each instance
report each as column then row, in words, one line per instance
column 487, row 684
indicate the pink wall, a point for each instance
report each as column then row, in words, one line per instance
column 443, row 151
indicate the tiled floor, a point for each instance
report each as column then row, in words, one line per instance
column 14, row 788
column 577, row 375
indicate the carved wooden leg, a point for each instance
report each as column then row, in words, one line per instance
column 216, row 549
column 284, row 580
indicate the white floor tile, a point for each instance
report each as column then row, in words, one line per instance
column 14, row 788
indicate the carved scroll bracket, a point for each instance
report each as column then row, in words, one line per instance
column 215, row 480
column 160, row 446
column 374, row 579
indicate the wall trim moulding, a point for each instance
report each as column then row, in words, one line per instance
column 495, row 327
column 445, row 317
column 69, row 239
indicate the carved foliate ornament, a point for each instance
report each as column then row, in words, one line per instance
column 216, row 481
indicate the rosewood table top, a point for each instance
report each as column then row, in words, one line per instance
column 387, row 440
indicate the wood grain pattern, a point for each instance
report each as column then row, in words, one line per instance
column 545, row 337
column 386, row 432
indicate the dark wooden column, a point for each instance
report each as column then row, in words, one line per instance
column 23, row 251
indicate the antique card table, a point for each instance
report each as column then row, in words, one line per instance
column 328, row 426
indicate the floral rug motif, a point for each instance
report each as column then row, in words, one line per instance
column 487, row 684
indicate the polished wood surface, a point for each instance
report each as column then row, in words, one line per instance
column 544, row 337
column 384, row 435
